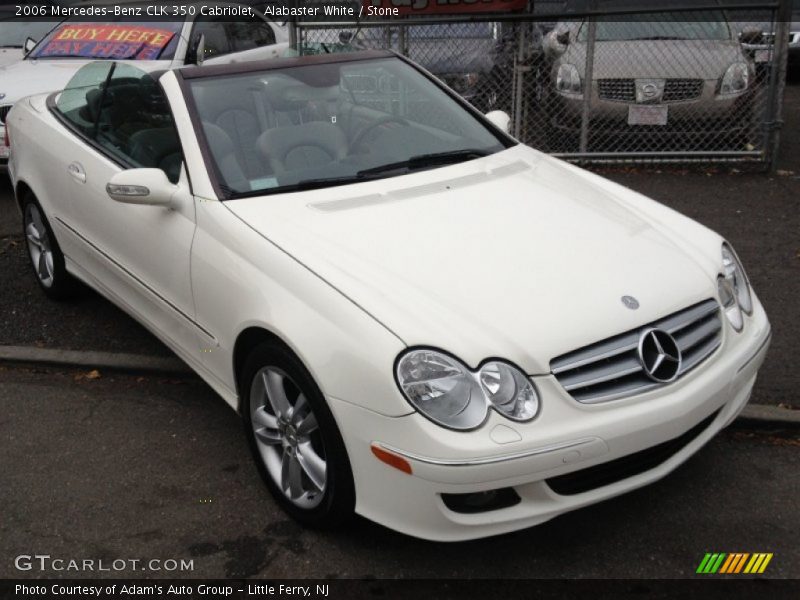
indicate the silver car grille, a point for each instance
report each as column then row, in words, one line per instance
column 681, row 90
column 610, row 369
column 675, row 90
column 4, row 110
column 617, row 90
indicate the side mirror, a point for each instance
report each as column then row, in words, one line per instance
column 149, row 187
column 499, row 119
column 30, row 44
column 562, row 37
column 751, row 35
column 196, row 53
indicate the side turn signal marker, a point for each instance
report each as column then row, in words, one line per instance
column 398, row 462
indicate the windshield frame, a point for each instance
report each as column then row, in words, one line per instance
column 185, row 76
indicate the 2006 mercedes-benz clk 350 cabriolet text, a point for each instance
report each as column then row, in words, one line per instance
column 420, row 319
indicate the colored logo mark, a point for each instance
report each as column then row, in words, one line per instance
column 734, row 563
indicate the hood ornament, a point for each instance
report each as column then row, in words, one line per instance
column 630, row 302
column 659, row 355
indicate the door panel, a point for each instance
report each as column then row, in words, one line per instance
column 140, row 254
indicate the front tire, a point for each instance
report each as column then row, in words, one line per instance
column 46, row 257
column 294, row 439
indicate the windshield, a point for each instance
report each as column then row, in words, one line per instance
column 329, row 124
column 118, row 40
column 708, row 26
column 13, row 33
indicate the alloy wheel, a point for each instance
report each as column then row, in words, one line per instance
column 39, row 245
column 288, row 437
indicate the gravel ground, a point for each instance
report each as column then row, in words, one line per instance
column 759, row 214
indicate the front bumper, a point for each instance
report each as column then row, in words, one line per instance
column 566, row 437
column 684, row 115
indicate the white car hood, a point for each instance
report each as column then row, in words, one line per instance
column 29, row 77
column 513, row 255
column 9, row 56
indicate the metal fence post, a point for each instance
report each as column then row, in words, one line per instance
column 588, row 79
column 293, row 30
column 517, row 91
column 402, row 41
column 777, row 82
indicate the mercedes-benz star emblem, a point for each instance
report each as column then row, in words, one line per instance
column 630, row 302
column 659, row 355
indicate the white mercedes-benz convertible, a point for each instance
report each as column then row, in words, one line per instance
column 420, row 319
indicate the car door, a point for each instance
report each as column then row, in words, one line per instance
column 139, row 254
column 248, row 38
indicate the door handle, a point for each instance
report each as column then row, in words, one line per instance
column 77, row 172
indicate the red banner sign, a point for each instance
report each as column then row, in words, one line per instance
column 107, row 41
column 440, row 7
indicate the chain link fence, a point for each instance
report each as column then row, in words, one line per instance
column 690, row 85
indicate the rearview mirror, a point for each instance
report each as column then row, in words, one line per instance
column 751, row 35
column 149, row 187
column 499, row 119
column 563, row 37
column 30, row 44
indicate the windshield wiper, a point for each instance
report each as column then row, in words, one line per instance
column 10, row 46
column 657, row 37
column 415, row 162
column 306, row 184
column 428, row 160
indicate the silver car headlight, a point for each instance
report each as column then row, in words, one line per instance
column 735, row 80
column 734, row 289
column 447, row 392
column 568, row 80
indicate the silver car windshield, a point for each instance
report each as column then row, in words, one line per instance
column 336, row 123
column 707, row 26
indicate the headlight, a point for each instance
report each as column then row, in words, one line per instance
column 509, row 391
column 448, row 393
column 568, row 80
column 734, row 272
column 734, row 289
column 735, row 80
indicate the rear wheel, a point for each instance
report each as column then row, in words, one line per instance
column 46, row 257
column 294, row 439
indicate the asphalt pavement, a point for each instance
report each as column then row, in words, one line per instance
column 123, row 467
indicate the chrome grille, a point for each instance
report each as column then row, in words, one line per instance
column 681, row 90
column 617, row 90
column 4, row 110
column 610, row 369
column 624, row 90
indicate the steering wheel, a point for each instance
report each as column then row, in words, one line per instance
column 361, row 135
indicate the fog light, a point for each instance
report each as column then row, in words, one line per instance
column 479, row 502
